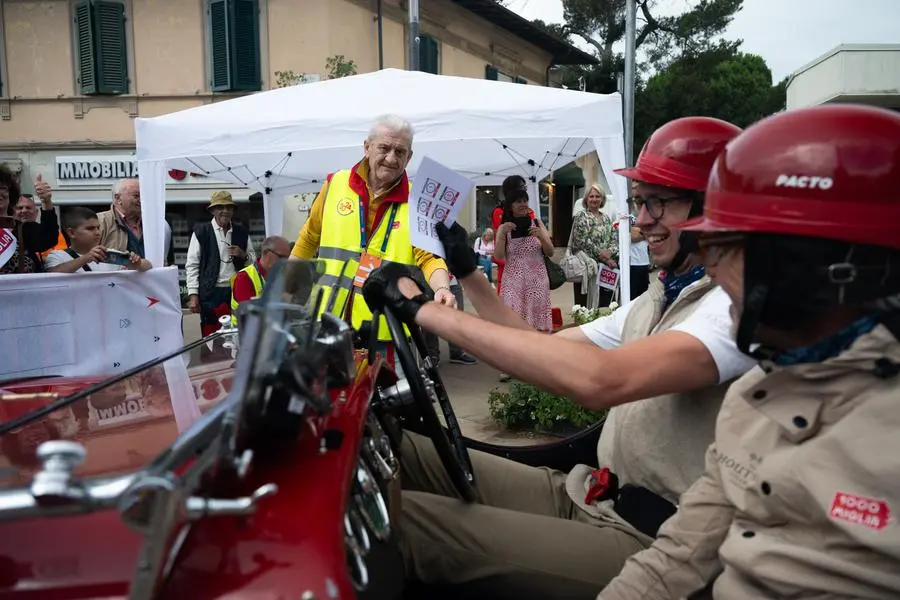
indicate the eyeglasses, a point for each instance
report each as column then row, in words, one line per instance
column 278, row 254
column 656, row 206
column 715, row 247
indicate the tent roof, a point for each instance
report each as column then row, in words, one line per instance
column 476, row 126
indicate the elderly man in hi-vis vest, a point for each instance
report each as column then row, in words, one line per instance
column 362, row 215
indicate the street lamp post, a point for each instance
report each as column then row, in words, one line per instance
column 628, row 92
column 413, row 35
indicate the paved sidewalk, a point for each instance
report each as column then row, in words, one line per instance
column 469, row 386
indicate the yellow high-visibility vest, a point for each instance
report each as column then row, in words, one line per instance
column 344, row 238
column 258, row 282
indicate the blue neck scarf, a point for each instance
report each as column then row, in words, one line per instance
column 674, row 284
column 830, row 346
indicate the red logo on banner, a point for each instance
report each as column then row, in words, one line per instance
column 8, row 245
column 152, row 301
column 859, row 510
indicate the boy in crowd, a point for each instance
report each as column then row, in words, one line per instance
column 85, row 252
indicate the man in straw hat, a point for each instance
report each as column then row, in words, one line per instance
column 218, row 250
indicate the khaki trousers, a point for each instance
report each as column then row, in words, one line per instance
column 524, row 538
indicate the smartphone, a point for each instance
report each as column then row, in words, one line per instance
column 523, row 224
column 117, row 257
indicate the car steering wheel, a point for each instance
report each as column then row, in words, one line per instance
column 426, row 387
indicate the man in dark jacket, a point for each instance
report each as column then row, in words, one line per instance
column 218, row 250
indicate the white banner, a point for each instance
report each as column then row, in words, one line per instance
column 87, row 323
column 94, row 323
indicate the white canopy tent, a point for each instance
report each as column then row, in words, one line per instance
column 287, row 140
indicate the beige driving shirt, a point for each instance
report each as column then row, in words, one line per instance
column 801, row 491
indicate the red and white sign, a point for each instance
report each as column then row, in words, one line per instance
column 859, row 510
column 8, row 245
column 607, row 278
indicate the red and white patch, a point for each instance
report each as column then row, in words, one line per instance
column 859, row 510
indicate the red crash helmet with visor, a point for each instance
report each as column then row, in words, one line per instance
column 814, row 196
column 681, row 153
column 829, row 172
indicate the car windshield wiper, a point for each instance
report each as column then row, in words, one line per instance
column 39, row 413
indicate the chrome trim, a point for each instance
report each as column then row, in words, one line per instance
column 370, row 502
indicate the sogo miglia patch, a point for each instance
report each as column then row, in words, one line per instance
column 859, row 510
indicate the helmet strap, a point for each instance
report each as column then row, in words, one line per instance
column 688, row 241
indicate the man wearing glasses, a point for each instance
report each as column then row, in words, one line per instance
column 659, row 365
column 250, row 280
column 218, row 249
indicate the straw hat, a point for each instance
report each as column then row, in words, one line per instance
column 220, row 198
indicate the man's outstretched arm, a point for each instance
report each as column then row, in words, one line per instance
column 667, row 363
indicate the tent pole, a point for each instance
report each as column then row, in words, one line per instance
column 379, row 18
column 413, row 35
column 628, row 117
column 628, row 96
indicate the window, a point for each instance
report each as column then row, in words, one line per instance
column 234, row 45
column 429, row 55
column 494, row 74
column 101, row 47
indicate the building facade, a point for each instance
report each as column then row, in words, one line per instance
column 850, row 73
column 74, row 74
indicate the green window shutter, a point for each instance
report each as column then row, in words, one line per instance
column 234, row 45
column 84, row 43
column 490, row 73
column 219, row 46
column 428, row 54
column 111, row 57
column 245, row 74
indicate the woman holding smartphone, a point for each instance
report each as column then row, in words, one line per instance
column 523, row 242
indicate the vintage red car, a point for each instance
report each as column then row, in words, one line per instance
column 284, row 486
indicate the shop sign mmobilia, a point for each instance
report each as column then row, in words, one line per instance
column 102, row 171
column 75, row 171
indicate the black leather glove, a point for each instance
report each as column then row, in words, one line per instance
column 381, row 290
column 461, row 259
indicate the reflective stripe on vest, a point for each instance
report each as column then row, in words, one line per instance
column 258, row 282
column 340, row 247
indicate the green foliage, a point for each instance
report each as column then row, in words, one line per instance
column 719, row 82
column 526, row 407
column 582, row 315
column 339, row 66
column 602, row 24
column 287, row 78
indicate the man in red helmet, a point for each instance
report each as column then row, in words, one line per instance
column 801, row 490
column 550, row 534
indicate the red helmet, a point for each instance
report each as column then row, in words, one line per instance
column 830, row 172
column 681, row 153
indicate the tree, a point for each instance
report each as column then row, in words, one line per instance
column 602, row 25
column 719, row 82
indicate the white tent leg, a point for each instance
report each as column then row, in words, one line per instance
column 153, row 209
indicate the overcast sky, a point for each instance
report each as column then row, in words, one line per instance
column 788, row 34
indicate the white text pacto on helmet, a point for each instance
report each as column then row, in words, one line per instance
column 804, row 182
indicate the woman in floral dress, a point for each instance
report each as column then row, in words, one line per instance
column 526, row 287
column 593, row 233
